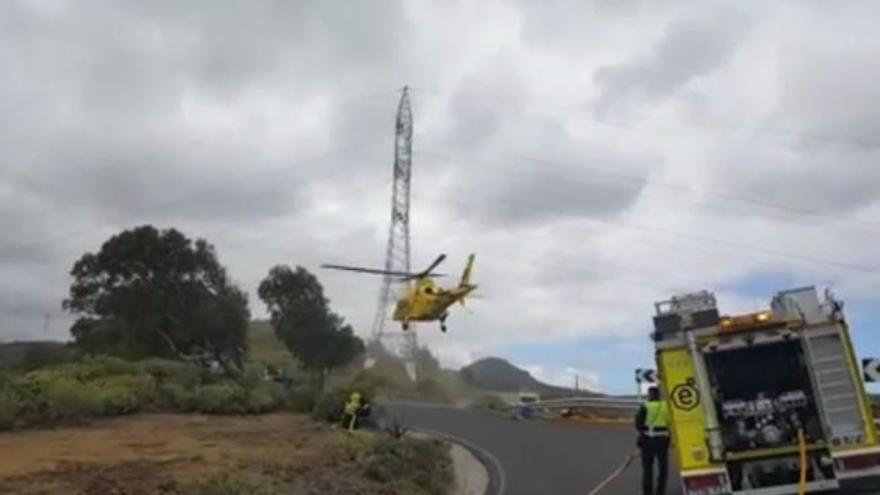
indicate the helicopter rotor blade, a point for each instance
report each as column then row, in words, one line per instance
column 373, row 271
column 434, row 264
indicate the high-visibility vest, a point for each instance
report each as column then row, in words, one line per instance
column 353, row 404
column 656, row 417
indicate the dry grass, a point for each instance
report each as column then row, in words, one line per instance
column 155, row 454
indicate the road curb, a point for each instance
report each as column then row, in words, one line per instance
column 497, row 479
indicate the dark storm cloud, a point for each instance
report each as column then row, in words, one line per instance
column 688, row 50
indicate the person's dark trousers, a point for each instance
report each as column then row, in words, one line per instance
column 655, row 449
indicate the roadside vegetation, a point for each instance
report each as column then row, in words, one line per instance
column 161, row 329
column 107, row 386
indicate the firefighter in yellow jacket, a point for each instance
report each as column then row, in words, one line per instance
column 652, row 423
column 351, row 411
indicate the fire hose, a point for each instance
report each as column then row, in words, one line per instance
column 802, row 483
column 802, row 448
column 615, row 474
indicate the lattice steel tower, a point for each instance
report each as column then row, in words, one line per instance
column 397, row 253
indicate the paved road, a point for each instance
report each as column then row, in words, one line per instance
column 538, row 457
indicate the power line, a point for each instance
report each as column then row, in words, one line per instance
column 723, row 197
column 815, row 137
column 678, row 236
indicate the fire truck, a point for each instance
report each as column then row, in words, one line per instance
column 765, row 403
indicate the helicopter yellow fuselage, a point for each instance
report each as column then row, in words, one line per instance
column 425, row 301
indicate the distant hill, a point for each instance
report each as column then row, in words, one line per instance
column 499, row 375
column 34, row 353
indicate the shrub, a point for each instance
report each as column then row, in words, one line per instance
column 264, row 397
column 126, row 394
column 165, row 370
column 99, row 367
column 330, row 406
column 424, row 465
column 70, row 399
column 231, row 398
column 173, row 396
column 12, row 407
column 219, row 398
column 110, row 386
column 41, row 355
column 302, row 399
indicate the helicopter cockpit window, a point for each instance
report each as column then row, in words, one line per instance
column 429, row 290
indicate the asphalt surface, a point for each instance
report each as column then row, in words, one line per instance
column 538, row 457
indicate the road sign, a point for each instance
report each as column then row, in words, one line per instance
column 646, row 376
column 871, row 368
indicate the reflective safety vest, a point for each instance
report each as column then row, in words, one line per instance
column 656, row 418
column 353, row 404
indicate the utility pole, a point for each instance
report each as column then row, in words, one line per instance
column 46, row 323
column 397, row 251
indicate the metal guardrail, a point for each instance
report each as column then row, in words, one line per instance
column 597, row 402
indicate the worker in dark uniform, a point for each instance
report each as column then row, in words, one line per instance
column 652, row 423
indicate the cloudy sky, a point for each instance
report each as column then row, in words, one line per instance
column 597, row 156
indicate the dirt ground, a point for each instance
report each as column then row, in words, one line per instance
column 152, row 454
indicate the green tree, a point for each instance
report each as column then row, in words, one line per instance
column 318, row 338
column 157, row 293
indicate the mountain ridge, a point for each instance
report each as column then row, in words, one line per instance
column 499, row 375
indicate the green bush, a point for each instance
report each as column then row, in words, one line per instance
column 232, row 398
column 184, row 374
column 47, row 354
column 264, row 397
column 110, row 386
column 126, row 394
column 422, row 466
column 330, row 405
column 99, row 367
column 88, row 369
column 12, row 407
column 172, row 396
column 69, row 399
column 302, row 399
column 219, row 398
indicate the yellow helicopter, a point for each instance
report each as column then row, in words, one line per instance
column 424, row 299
